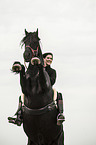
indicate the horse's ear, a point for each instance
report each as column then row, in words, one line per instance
column 37, row 32
column 26, row 32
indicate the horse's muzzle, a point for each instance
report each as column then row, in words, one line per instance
column 27, row 56
column 35, row 60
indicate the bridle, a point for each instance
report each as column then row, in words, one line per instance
column 34, row 52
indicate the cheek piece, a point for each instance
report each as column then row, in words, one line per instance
column 34, row 52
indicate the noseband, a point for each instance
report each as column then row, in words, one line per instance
column 34, row 52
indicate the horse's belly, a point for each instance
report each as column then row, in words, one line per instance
column 42, row 127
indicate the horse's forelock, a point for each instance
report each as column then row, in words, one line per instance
column 30, row 37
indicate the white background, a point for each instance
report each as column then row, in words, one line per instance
column 67, row 28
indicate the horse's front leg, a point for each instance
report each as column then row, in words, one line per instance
column 44, row 78
column 16, row 67
column 19, row 68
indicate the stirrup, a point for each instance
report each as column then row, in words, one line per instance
column 60, row 119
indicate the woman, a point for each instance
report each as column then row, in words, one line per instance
column 48, row 58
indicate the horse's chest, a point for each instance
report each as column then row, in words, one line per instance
column 33, row 85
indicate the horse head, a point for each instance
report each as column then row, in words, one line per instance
column 32, row 51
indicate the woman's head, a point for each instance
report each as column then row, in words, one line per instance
column 48, row 58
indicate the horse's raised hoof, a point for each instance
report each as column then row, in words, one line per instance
column 35, row 60
column 16, row 67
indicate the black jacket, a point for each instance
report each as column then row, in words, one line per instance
column 52, row 74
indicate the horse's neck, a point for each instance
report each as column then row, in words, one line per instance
column 37, row 98
column 32, row 70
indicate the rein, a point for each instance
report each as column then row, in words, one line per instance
column 34, row 52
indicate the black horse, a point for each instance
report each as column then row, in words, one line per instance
column 39, row 110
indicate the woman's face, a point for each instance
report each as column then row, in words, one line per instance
column 48, row 60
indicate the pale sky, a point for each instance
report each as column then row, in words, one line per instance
column 68, row 29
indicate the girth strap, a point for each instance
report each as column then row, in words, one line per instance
column 40, row 111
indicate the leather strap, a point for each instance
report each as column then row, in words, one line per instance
column 40, row 111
